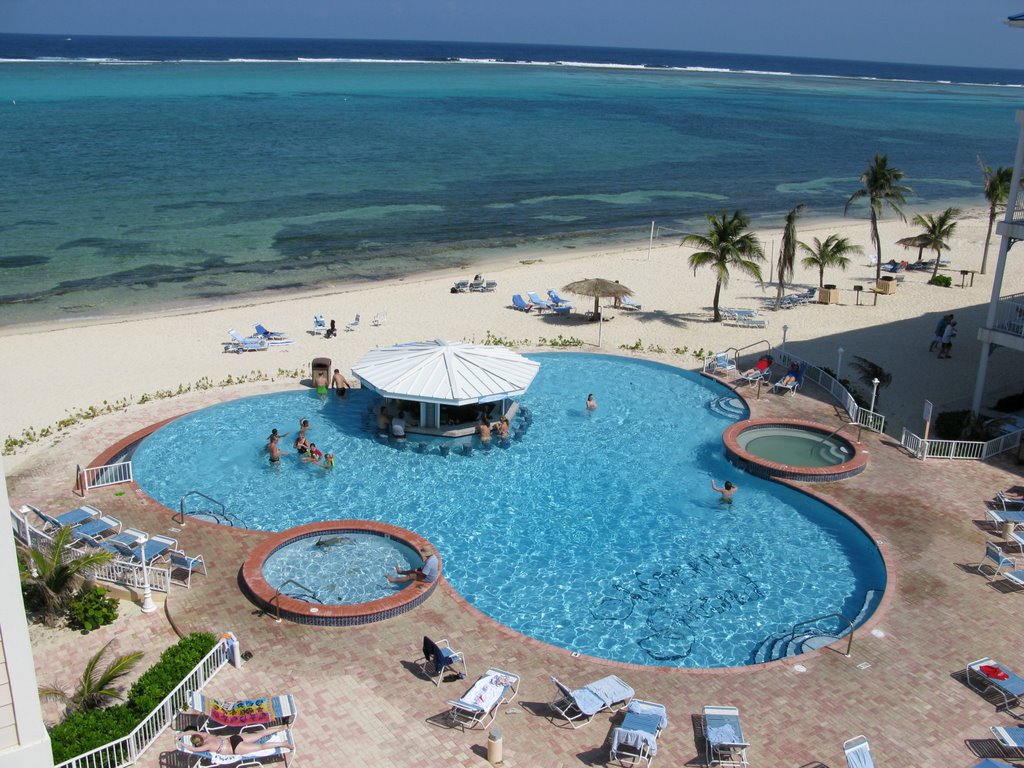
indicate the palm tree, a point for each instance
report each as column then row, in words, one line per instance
column 95, row 689
column 937, row 231
column 787, row 252
column 870, row 371
column 52, row 576
column 726, row 245
column 831, row 253
column 881, row 187
column 997, row 192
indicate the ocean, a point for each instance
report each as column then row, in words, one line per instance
column 144, row 173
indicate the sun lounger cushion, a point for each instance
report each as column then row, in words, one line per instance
column 637, row 731
column 610, row 690
column 1010, row 737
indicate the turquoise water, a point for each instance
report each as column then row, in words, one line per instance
column 596, row 532
column 132, row 186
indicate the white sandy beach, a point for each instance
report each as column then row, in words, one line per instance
column 51, row 372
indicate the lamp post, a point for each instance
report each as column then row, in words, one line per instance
column 874, row 393
column 147, row 593
column 839, row 363
column 785, row 330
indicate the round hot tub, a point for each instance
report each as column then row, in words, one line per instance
column 791, row 449
column 335, row 573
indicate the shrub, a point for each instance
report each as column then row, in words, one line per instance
column 638, row 346
column 92, row 609
column 1010, row 403
column 943, row 280
column 952, row 425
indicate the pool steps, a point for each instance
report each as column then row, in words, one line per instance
column 729, row 406
column 783, row 645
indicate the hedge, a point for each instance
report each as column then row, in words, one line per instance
column 84, row 731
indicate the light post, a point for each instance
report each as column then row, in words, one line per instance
column 147, row 593
column 785, row 330
column 874, row 393
column 839, row 364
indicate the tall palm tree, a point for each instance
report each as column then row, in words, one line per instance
column 834, row 252
column 868, row 371
column 726, row 245
column 937, row 232
column 997, row 192
column 880, row 185
column 95, row 689
column 787, row 252
column 53, row 576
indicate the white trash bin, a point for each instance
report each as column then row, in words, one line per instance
column 494, row 747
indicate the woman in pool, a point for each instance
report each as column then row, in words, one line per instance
column 484, row 430
column 727, row 491
column 239, row 744
column 591, row 402
column 503, row 427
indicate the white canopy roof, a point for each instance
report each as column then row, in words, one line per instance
column 451, row 373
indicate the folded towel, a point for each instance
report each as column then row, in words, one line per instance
column 649, row 708
column 723, row 734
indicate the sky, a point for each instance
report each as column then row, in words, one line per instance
column 960, row 32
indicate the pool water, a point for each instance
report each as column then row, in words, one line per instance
column 339, row 568
column 596, row 531
column 795, row 447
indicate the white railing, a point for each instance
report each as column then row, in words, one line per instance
column 108, row 474
column 1010, row 315
column 120, row 572
column 126, row 751
column 958, row 449
column 869, row 419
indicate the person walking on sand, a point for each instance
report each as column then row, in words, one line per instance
column 727, row 491
column 947, row 340
column 939, row 330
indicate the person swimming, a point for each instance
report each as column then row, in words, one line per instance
column 331, row 541
column 727, row 491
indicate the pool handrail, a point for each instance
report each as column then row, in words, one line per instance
column 276, row 599
column 179, row 516
column 849, row 635
column 733, row 353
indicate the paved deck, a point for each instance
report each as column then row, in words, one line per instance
column 362, row 702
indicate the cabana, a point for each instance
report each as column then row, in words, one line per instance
column 449, row 384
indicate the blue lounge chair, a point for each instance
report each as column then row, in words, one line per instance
column 1008, row 503
column 97, row 528
column 478, row 286
column 439, row 656
column 490, row 285
column 261, row 330
column 991, row 762
column 996, row 560
column 723, row 737
column 319, row 325
column 240, row 343
column 627, row 303
column 579, row 706
column 562, row 309
column 1002, row 516
column 280, row 746
column 858, row 753
column 537, row 301
column 557, row 300
column 479, row 705
column 521, row 304
column 461, row 286
column 637, row 737
column 153, row 548
column 1007, row 691
column 185, row 565
column 119, row 545
column 1012, row 739
column 66, row 519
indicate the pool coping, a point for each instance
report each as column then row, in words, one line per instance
column 772, row 470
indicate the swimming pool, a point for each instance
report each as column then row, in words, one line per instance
column 597, row 532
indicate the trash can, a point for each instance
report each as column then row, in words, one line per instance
column 494, row 747
column 886, row 284
column 828, row 294
column 321, row 365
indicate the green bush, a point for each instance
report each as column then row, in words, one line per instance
column 85, row 731
column 944, row 280
column 952, row 425
column 92, row 609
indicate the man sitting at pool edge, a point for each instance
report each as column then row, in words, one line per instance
column 425, row 573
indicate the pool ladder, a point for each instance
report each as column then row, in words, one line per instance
column 221, row 515
column 309, row 596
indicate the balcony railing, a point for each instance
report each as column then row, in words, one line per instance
column 1010, row 315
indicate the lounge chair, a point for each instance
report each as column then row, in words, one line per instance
column 439, row 656
column 461, row 286
column 119, row 545
column 185, row 565
column 858, row 753
column 153, row 548
column 354, row 325
column 991, row 762
column 66, row 519
column 724, row 363
column 1012, row 738
column 96, row 528
column 280, row 747
column 562, row 309
column 996, row 560
column 319, row 325
column 261, row 330
column 754, row 375
column 521, row 304
column 380, row 318
column 989, row 677
column 478, row 285
column 490, row 285
column 556, row 300
column 1008, row 503
column 1016, row 578
column 236, row 716
column 479, row 705
column 636, row 738
column 537, row 301
column 627, row 303
column 790, row 386
column 723, row 737
column 579, row 706
column 240, row 343
column 1002, row 516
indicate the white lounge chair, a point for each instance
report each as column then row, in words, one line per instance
column 479, row 705
column 858, row 753
column 723, row 737
column 478, row 285
column 461, row 286
column 280, row 748
column 380, row 318
column 240, row 343
column 490, row 285
column 183, row 566
column 724, row 363
column 579, row 706
column 319, row 325
column 627, row 303
column 354, row 325
column 636, row 738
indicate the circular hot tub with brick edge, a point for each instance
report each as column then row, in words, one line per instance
column 792, row 449
column 334, row 573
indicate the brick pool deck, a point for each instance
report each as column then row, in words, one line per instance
column 361, row 701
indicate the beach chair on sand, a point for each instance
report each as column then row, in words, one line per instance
column 636, row 738
column 240, row 343
column 579, row 706
column 479, row 705
column 627, row 303
column 490, row 285
column 261, row 330
column 723, row 737
column 354, row 325
column 280, row 747
column 521, row 304
column 995, row 681
column 461, row 286
column 858, row 753
column 537, row 301
column 380, row 318
column 319, row 325
column 237, row 716
column 556, row 300
column 478, row 285
column 439, row 656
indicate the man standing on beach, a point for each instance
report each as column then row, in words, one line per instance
column 939, row 330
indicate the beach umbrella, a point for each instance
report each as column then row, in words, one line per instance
column 599, row 288
column 917, row 241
